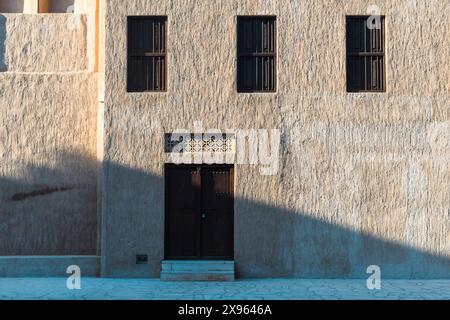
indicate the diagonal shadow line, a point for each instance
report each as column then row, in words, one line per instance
column 269, row 241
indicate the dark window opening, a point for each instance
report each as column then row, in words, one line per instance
column 56, row 6
column 365, row 56
column 256, row 44
column 146, row 54
column 11, row 6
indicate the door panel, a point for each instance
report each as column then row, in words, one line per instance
column 199, row 212
column 183, row 205
column 217, row 214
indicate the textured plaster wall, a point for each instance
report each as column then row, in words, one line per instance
column 48, row 138
column 90, row 8
column 48, row 164
column 364, row 178
column 43, row 43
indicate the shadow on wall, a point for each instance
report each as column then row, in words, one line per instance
column 49, row 211
column 3, row 66
column 311, row 248
column 42, row 218
column 269, row 241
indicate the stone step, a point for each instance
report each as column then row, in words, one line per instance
column 183, row 270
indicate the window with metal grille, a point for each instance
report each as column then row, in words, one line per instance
column 256, row 43
column 365, row 55
column 146, row 54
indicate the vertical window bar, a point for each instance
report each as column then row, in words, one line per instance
column 147, row 73
column 163, row 38
column 266, row 73
column 156, row 37
column 365, row 73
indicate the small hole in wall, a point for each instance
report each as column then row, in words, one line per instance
column 141, row 259
column 56, row 6
column 11, row 6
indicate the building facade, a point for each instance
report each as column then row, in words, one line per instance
column 329, row 136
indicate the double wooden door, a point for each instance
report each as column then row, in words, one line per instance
column 199, row 212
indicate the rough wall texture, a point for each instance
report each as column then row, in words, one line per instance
column 364, row 178
column 48, row 121
column 43, row 43
column 48, row 164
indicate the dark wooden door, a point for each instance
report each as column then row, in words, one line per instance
column 199, row 212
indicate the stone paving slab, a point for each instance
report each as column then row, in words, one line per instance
column 255, row 289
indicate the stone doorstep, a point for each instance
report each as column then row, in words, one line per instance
column 197, row 270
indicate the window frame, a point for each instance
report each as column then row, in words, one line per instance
column 256, row 54
column 163, row 54
column 382, row 54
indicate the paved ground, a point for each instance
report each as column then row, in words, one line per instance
column 274, row 289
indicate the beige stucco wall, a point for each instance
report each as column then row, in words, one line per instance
column 48, row 136
column 363, row 179
column 90, row 8
column 43, row 43
column 363, row 176
column 48, row 164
